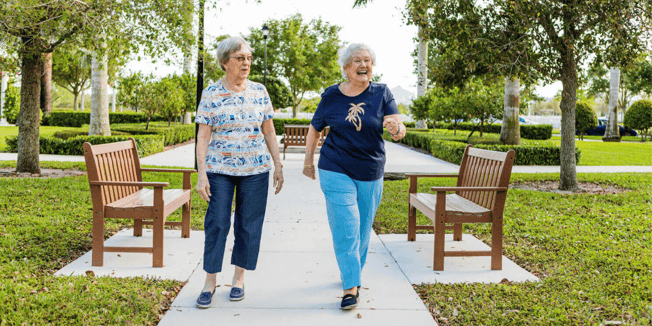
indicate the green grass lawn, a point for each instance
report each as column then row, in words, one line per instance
column 593, row 254
column 610, row 154
column 44, row 225
column 13, row 131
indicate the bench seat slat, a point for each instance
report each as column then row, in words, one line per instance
column 454, row 204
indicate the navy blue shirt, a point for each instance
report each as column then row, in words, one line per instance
column 354, row 145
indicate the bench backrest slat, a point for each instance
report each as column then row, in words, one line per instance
column 483, row 168
column 113, row 162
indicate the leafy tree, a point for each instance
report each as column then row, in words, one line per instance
column 187, row 83
column 585, row 118
column 634, row 80
column 130, row 89
column 550, row 40
column 483, row 100
column 33, row 27
column 170, row 98
column 639, row 117
column 71, row 70
column 310, row 105
column 278, row 92
column 304, row 54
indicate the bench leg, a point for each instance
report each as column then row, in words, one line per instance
column 98, row 239
column 440, row 232
column 412, row 223
column 185, row 220
column 138, row 227
column 158, row 225
column 497, row 243
column 457, row 232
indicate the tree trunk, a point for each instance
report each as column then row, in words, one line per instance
column 3, row 90
column 422, row 77
column 568, row 173
column 81, row 105
column 74, row 103
column 612, row 134
column 510, row 131
column 99, row 98
column 28, row 117
column 147, row 125
column 46, row 84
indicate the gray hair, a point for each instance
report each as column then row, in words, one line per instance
column 227, row 46
column 346, row 52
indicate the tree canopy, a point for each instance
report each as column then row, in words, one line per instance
column 303, row 53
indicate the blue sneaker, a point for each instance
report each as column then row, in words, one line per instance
column 205, row 299
column 237, row 293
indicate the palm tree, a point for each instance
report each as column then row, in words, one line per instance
column 353, row 117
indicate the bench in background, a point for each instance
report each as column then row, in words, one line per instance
column 295, row 135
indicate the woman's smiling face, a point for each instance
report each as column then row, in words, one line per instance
column 359, row 68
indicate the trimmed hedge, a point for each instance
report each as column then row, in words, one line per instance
column 147, row 144
column 173, row 135
column 451, row 148
column 536, row 132
column 77, row 119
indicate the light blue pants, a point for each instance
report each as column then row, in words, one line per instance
column 351, row 207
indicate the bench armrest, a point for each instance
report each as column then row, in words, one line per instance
column 444, row 189
column 129, row 183
column 424, row 175
column 167, row 170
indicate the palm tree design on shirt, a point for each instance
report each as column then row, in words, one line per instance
column 353, row 117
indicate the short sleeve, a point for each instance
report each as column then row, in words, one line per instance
column 318, row 120
column 390, row 104
column 205, row 111
column 268, row 108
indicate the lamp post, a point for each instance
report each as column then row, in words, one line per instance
column 265, row 34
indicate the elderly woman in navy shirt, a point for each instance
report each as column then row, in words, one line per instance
column 352, row 159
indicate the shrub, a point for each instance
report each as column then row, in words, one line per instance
column 12, row 104
column 639, row 116
column 147, row 144
column 77, row 119
column 173, row 135
column 450, row 148
column 585, row 118
column 536, row 132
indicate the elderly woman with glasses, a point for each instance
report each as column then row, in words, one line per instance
column 236, row 149
column 352, row 159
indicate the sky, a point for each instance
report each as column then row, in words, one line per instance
column 379, row 25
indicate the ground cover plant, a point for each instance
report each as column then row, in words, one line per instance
column 592, row 253
column 45, row 223
column 624, row 138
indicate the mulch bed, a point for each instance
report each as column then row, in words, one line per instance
column 553, row 186
column 45, row 173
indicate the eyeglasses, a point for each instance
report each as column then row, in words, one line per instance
column 241, row 59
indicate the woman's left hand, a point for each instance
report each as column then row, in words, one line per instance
column 395, row 126
column 278, row 177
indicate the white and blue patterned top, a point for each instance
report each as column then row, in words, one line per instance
column 237, row 146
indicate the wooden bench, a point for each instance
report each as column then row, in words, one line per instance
column 295, row 135
column 117, row 191
column 479, row 197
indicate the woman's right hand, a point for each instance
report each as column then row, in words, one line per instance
column 203, row 187
column 309, row 170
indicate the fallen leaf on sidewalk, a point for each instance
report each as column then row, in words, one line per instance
column 359, row 316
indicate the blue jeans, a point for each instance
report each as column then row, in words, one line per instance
column 351, row 207
column 250, row 203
